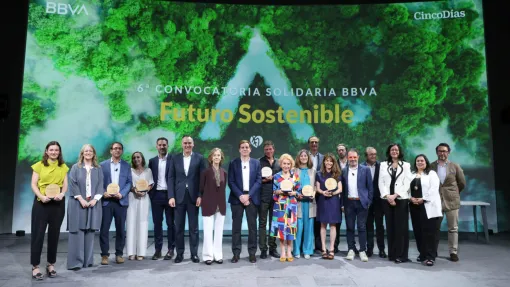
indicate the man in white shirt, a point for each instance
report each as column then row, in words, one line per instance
column 245, row 182
column 160, row 165
column 358, row 186
column 184, row 195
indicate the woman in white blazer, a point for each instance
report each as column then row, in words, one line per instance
column 394, row 179
column 425, row 207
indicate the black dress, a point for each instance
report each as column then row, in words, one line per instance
column 423, row 227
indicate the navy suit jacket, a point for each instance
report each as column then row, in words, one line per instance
column 235, row 181
column 154, row 166
column 177, row 178
column 125, row 180
column 364, row 182
column 377, row 193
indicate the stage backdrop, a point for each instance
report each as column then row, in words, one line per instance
column 364, row 75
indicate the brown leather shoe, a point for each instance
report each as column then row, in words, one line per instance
column 104, row 260
column 454, row 257
column 119, row 259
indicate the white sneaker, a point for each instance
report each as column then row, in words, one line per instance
column 350, row 255
column 297, row 256
column 307, row 256
column 363, row 256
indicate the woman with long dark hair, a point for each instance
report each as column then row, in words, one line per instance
column 425, row 207
column 329, row 202
column 47, row 211
column 394, row 179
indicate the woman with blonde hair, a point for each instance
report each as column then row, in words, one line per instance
column 84, row 210
column 307, row 207
column 213, row 182
column 285, row 207
column 47, row 211
column 329, row 202
column 137, row 219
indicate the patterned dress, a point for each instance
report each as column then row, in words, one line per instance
column 284, row 223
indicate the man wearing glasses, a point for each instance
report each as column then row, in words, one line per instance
column 452, row 183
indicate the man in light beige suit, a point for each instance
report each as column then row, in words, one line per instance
column 452, row 183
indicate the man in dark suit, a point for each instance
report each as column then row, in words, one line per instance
column 115, row 170
column 358, row 192
column 375, row 211
column 317, row 158
column 183, row 191
column 244, row 181
column 160, row 165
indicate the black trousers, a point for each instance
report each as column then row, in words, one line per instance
column 265, row 213
column 44, row 215
column 375, row 214
column 424, row 231
column 186, row 207
column 160, row 207
column 237, row 222
column 397, row 229
column 118, row 212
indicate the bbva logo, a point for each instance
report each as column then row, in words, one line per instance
column 65, row 8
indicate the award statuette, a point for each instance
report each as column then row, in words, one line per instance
column 52, row 190
column 142, row 185
column 266, row 171
column 113, row 189
column 286, row 186
column 307, row 191
column 331, row 184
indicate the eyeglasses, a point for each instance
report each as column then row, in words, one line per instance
column 442, row 151
column 314, row 142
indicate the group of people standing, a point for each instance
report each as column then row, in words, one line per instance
column 298, row 197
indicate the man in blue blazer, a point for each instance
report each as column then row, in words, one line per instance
column 115, row 170
column 245, row 182
column 160, row 166
column 358, row 192
column 375, row 211
column 183, row 192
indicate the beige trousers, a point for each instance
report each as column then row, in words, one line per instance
column 452, row 219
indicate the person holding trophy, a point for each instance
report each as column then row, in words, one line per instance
column 307, row 207
column 117, row 182
column 84, row 212
column 284, row 225
column 49, row 184
column 329, row 203
column 137, row 220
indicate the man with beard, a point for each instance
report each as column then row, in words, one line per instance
column 159, row 166
column 452, row 183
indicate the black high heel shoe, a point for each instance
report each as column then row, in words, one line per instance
column 52, row 273
column 38, row 276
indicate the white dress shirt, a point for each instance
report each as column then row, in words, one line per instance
column 161, row 184
column 246, row 175
column 115, row 171
column 372, row 170
column 441, row 171
column 342, row 164
column 187, row 161
column 353, row 182
column 315, row 160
